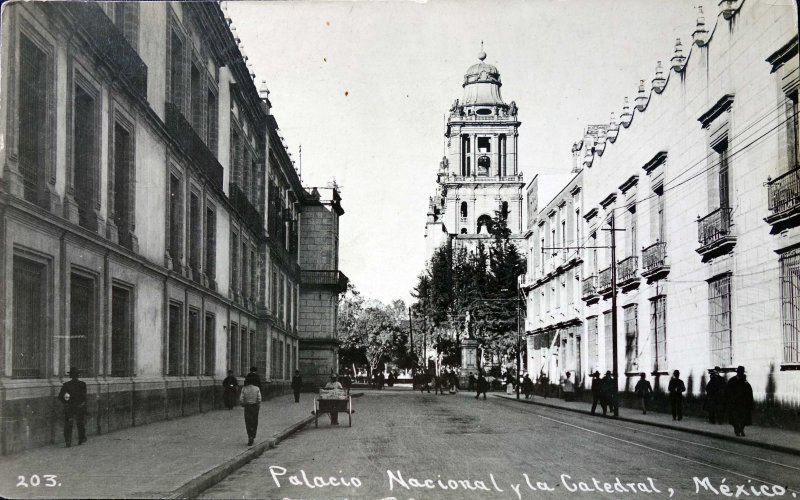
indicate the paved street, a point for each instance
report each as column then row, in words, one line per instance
column 461, row 446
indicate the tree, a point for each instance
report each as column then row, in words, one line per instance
column 352, row 346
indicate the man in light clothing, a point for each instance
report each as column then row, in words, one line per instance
column 250, row 398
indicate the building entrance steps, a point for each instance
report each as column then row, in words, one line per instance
column 771, row 438
column 168, row 459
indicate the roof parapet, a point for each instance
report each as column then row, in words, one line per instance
column 626, row 116
column 659, row 82
column 700, row 35
column 678, row 60
column 641, row 97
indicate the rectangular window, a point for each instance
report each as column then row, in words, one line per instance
column 609, row 342
column 175, row 341
column 245, row 271
column 121, row 332
column 724, row 178
column 175, row 220
column 197, row 92
column 274, row 360
column 484, row 145
column 176, row 70
column 84, row 147
column 212, row 123
column 282, row 300
column 243, row 352
column 195, row 356
column 235, row 263
column 719, row 313
column 123, row 168
column 280, row 359
column 790, row 300
column 211, row 244
column 126, row 18
column 195, row 232
column 631, row 318
column 254, row 269
column 32, row 116
column 793, row 129
column 592, row 336
column 253, row 348
column 658, row 329
column 29, row 313
column 82, row 324
column 234, row 341
column 632, row 236
column 210, row 345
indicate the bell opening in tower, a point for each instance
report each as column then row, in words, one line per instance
column 483, row 166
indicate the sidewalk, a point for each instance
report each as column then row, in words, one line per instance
column 169, row 459
column 770, row 438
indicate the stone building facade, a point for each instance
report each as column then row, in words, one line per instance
column 479, row 175
column 700, row 178
column 149, row 216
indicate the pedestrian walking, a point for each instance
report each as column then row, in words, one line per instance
column 452, row 379
column 482, row 386
column 390, row 380
column 73, row 396
column 381, row 380
column 441, row 383
column 597, row 393
column 230, row 387
column 471, row 382
column 568, row 387
column 544, row 381
column 676, row 388
column 297, row 384
column 256, row 380
column 739, row 399
column 250, row 398
column 608, row 391
column 334, row 384
column 643, row 391
column 527, row 386
column 509, row 383
column 715, row 392
column 346, row 382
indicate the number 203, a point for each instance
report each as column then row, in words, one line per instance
column 46, row 480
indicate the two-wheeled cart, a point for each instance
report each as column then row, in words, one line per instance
column 327, row 405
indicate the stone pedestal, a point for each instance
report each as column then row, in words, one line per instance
column 469, row 360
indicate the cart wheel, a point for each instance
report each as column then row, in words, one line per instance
column 350, row 419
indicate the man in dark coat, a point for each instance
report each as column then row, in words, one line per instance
column 643, row 391
column 471, row 382
column 230, row 387
column 483, row 386
column 739, row 398
column 676, row 388
column 544, row 381
column 73, row 396
column 253, row 375
column 715, row 390
column 597, row 393
column 527, row 386
column 297, row 384
column 608, row 395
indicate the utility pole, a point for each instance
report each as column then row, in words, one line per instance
column 411, row 336
column 518, row 339
column 614, row 311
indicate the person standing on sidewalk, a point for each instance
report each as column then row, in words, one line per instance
column 544, row 381
column 739, row 398
column 527, row 386
column 597, row 393
column 297, row 384
column 482, row 385
column 569, row 387
column 229, row 388
column 471, row 382
column 73, row 396
column 643, row 392
column 715, row 390
column 676, row 388
column 251, row 401
column 254, row 374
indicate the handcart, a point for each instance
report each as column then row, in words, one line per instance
column 338, row 402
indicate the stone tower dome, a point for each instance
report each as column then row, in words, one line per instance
column 482, row 84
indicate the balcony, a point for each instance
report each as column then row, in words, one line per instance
column 604, row 281
column 654, row 261
column 324, row 279
column 110, row 43
column 783, row 194
column 249, row 214
column 589, row 289
column 484, row 178
column 714, row 233
column 192, row 145
column 627, row 272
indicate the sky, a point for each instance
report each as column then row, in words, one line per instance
column 364, row 86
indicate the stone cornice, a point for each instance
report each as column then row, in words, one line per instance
column 655, row 161
column 632, row 180
column 723, row 104
column 783, row 54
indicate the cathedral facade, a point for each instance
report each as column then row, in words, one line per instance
column 479, row 175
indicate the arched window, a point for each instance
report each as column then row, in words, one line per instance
column 504, row 210
column 463, row 230
column 483, row 165
column 463, row 209
column 485, row 223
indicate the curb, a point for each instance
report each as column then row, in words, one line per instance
column 758, row 444
column 209, row 478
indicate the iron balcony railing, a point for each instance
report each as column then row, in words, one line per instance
column 605, row 279
column 589, row 286
column 627, row 268
column 783, row 192
column 193, row 145
column 324, row 278
column 654, row 256
column 714, row 226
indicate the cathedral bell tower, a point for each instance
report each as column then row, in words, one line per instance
column 479, row 175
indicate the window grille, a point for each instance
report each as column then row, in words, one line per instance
column 211, row 244
column 719, row 313
column 243, row 351
column 82, row 324
column 234, row 340
column 32, row 116
column 658, row 329
column 195, row 355
column 175, row 342
column 609, row 346
column 591, row 332
column 28, row 344
column 210, row 345
column 790, row 300
column 253, row 348
column 84, row 147
column 120, row 332
column 630, row 314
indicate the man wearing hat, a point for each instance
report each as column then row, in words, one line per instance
column 739, row 397
column 73, row 396
column 597, row 393
column 334, row 384
column 676, row 388
column 714, row 392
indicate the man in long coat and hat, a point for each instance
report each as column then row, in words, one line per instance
column 739, row 400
